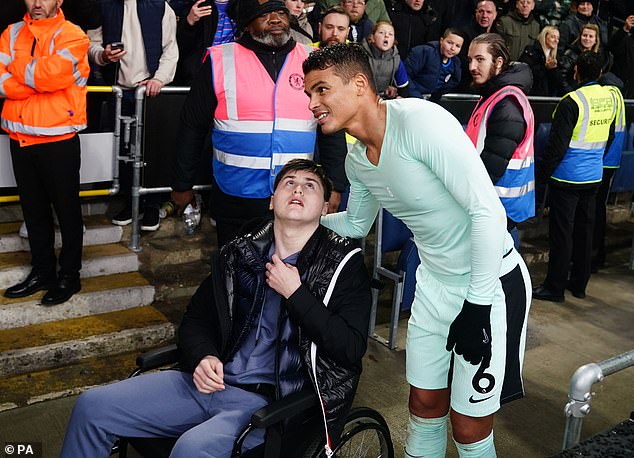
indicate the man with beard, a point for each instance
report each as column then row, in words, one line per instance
column 466, row 332
column 252, row 91
column 334, row 27
column 501, row 126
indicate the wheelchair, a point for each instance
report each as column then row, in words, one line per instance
column 294, row 426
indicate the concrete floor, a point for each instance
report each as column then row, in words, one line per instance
column 561, row 337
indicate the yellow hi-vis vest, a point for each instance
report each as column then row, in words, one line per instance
column 583, row 161
column 612, row 156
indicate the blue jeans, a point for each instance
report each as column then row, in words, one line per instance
column 161, row 404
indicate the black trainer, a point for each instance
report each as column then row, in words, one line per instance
column 151, row 219
column 123, row 218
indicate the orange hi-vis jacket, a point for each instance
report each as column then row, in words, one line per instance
column 43, row 75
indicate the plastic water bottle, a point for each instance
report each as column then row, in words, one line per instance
column 191, row 219
column 191, row 215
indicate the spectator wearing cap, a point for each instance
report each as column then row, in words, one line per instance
column 267, row 89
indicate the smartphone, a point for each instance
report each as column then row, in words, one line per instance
column 117, row 45
column 205, row 3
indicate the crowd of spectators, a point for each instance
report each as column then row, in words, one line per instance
column 415, row 47
column 547, row 35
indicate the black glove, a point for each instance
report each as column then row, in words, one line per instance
column 470, row 332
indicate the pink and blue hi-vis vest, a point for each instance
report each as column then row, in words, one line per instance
column 259, row 124
column 516, row 187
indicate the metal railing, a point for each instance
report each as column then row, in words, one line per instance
column 580, row 392
column 115, row 185
column 136, row 157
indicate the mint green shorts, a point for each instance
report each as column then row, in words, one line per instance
column 474, row 392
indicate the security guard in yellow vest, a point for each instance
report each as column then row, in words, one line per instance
column 573, row 166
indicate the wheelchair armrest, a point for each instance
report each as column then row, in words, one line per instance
column 153, row 359
column 284, row 408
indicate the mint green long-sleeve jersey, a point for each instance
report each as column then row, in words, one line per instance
column 430, row 176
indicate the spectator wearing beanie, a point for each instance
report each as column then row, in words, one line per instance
column 570, row 28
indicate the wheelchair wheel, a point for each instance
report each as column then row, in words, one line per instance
column 365, row 435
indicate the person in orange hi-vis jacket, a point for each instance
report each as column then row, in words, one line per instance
column 43, row 76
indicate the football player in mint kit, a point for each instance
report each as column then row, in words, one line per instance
column 467, row 331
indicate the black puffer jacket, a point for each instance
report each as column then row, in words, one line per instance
column 565, row 68
column 227, row 305
column 545, row 80
column 505, row 127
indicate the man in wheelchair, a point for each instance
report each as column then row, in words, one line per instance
column 286, row 306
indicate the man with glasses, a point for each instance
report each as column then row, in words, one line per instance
column 360, row 25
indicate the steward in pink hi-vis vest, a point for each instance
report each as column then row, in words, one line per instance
column 516, row 187
column 259, row 124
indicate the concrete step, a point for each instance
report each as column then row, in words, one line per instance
column 98, row 295
column 53, row 344
column 170, row 246
column 89, row 206
column 26, row 389
column 99, row 231
column 97, row 260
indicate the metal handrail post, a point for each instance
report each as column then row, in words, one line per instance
column 580, row 394
column 375, row 277
column 116, row 147
column 137, row 165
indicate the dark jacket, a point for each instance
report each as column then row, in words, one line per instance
column 423, row 67
column 198, row 113
column 565, row 69
column 361, row 30
column 545, row 81
column 570, row 28
column 622, row 47
column 226, row 307
column 413, row 28
column 506, row 127
column 193, row 41
column 517, row 31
